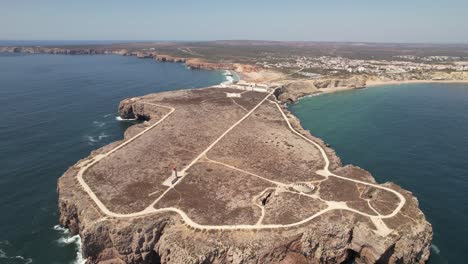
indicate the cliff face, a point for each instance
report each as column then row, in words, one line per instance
column 200, row 64
column 341, row 237
column 166, row 58
column 292, row 91
column 353, row 82
column 45, row 50
column 194, row 63
column 164, row 239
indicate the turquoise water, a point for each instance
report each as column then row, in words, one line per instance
column 414, row 135
column 55, row 110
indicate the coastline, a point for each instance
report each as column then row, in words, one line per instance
column 192, row 63
column 85, row 130
column 241, row 71
column 372, row 84
column 412, row 131
column 369, row 84
column 86, row 237
column 73, row 215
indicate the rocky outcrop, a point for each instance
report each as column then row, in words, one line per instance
column 353, row 82
column 165, row 239
column 46, row 50
column 200, row 64
column 193, row 63
column 294, row 90
column 167, row 58
column 126, row 109
column 290, row 92
column 334, row 237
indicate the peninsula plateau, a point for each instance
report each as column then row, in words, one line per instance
column 226, row 174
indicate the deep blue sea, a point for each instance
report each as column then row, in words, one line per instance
column 415, row 135
column 56, row 109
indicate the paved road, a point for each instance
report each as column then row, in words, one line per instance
column 382, row 229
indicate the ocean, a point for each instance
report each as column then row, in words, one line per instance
column 56, row 110
column 415, row 135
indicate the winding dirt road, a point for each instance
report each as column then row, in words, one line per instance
column 381, row 228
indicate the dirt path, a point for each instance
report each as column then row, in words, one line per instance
column 382, row 229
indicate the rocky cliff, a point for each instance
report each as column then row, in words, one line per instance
column 200, row 64
column 52, row 50
column 342, row 237
column 167, row 58
column 294, row 90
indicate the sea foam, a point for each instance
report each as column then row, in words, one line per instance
column 66, row 239
column 94, row 139
column 61, row 229
column 228, row 78
column 436, row 249
column 24, row 260
column 99, row 123
column 118, row 118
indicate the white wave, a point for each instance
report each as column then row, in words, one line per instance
column 228, row 81
column 79, row 256
column 66, row 239
column 99, row 123
column 79, row 253
column 436, row 249
column 118, row 118
column 63, row 230
column 27, row 260
column 108, row 115
column 102, row 135
column 229, row 77
column 94, row 139
column 3, row 255
column 91, row 139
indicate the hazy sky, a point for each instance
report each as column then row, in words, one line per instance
column 325, row 20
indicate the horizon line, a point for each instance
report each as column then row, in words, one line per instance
column 119, row 41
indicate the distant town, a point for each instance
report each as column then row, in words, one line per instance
column 402, row 64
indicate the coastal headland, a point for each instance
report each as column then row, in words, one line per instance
column 226, row 174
